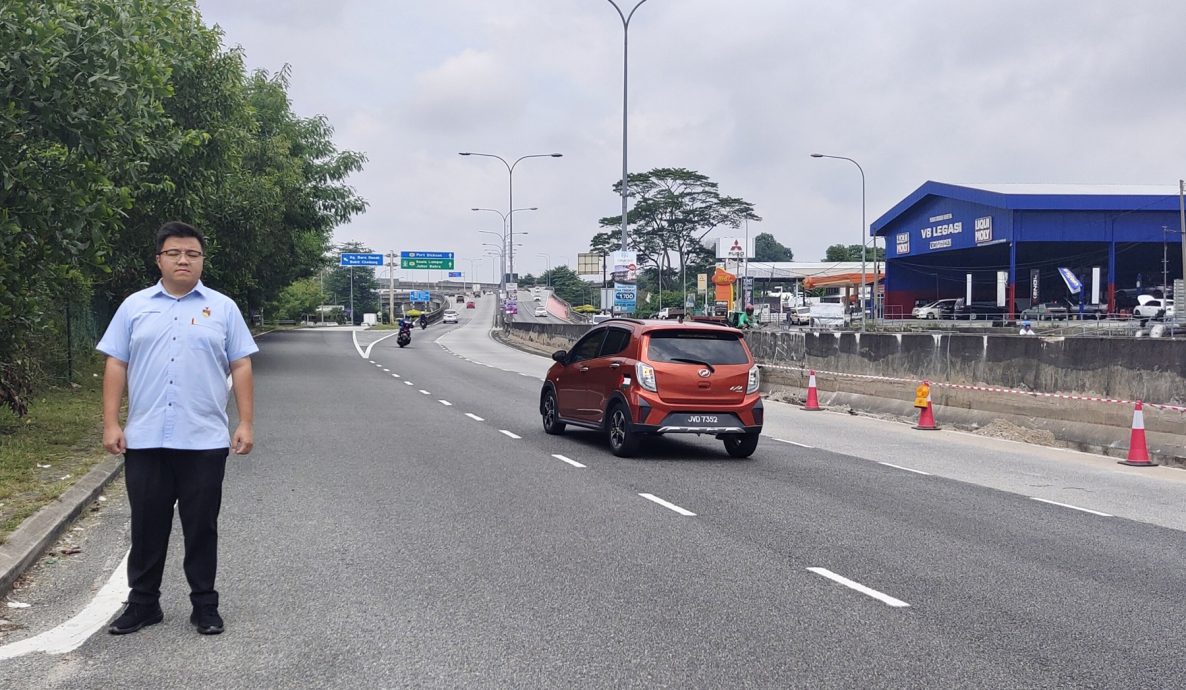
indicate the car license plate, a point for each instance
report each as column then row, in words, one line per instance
column 698, row 419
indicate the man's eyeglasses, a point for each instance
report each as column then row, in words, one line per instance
column 176, row 254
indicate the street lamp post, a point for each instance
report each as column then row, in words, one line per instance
column 548, row 259
column 510, row 219
column 861, row 290
column 625, row 73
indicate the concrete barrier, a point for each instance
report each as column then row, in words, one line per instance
column 965, row 366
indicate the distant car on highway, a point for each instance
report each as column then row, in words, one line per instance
column 1048, row 311
column 541, row 311
column 470, row 305
column 631, row 378
column 460, row 298
column 449, row 316
column 598, row 318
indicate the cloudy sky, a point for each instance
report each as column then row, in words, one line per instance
column 1010, row 91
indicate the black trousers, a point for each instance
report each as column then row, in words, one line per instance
column 156, row 479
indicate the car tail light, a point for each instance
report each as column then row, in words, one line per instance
column 645, row 375
column 755, row 379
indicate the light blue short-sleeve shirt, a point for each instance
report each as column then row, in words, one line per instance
column 178, row 351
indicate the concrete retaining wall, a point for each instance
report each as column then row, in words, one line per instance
column 1150, row 369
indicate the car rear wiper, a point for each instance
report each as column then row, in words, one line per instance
column 694, row 361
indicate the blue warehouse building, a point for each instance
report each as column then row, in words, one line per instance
column 1013, row 239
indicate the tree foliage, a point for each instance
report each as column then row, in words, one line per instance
column 852, row 252
column 766, row 248
column 119, row 115
column 674, row 209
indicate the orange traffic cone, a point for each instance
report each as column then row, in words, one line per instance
column 926, row 415
column 1138, row 452
column 812, row 395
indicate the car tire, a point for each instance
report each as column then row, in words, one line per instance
column 933, row 316
column 741, row 445
column 623, row 440
column 551, row 415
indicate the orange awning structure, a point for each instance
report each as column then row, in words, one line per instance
column 841, row 280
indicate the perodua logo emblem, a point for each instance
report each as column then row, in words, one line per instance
column 704, row 373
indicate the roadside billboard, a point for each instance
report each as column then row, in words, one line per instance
column 625, row 281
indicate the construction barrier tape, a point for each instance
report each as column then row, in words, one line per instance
column 990, row 389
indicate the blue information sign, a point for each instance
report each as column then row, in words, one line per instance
column 454, row 274
column 361, row 260
column 418, row 296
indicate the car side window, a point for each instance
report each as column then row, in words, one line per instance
column 587, row 347
column 616, row 340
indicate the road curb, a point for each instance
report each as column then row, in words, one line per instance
column 30, row 540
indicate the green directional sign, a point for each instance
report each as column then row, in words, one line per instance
column 431, row 264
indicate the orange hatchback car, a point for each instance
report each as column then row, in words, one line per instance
column 630, row 378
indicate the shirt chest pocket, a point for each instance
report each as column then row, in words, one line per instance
column 203, row 337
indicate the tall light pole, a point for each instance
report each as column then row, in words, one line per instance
column 861, row 290
column 510, row 218
column 625, row 74
column 549, row 265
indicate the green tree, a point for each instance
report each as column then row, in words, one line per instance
column 567, row 285
column 852, row 252
column 299, row 299
column 766, row 248
column 674, row 209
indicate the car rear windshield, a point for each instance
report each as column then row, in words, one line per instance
column 700, row 346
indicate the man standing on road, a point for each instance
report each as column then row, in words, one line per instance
column 172, row 345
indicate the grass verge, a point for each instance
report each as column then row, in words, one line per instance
column 45, row 452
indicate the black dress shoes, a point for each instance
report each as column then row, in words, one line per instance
column 136, row 616
column 206, row 619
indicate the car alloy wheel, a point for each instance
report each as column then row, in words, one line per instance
column 552, row 423
column 623, row 441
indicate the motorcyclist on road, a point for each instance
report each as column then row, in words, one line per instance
column 746, row 318
column 423, row 321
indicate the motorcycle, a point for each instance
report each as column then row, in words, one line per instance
column 405, row 335
column 423, row 323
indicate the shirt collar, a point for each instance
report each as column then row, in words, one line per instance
column 160, row 291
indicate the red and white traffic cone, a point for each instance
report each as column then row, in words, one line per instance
column 1138, row 451
column 926, row 417
column 812, row 395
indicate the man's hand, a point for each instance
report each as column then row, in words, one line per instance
column 113, row 440
column 244, row 439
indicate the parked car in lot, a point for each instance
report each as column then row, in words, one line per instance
column 449, row 316
column 1153, row 308
column 1045, row 311
column 799, row 316
column 940, row 309
column 1090, row 311
column 630, row 378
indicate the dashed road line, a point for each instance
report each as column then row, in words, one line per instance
column 409, row 383
column 474, row 417
column 570, row 461
column 1068, row 505
column 395, row 376
column 867, row 591
column 899, row 467
column 668, row 505
column 793, row 443
column 446, row 403
column 509, row 433
column 386, row 369
column 425, row 392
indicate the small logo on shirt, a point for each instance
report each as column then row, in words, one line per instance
column 206, row 312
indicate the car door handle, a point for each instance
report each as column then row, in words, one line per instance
column 615, row 365
column 584, row 369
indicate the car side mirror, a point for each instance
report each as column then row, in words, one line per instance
column 560, row 355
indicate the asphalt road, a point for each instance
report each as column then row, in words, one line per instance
column 405, row 522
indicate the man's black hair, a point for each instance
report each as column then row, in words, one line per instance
column 176, row 228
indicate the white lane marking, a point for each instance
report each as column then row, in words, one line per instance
column 386, row 370
column 70, row 635
column 474, row 417
column 899, row 467
column 1068, row 505
column 509, row 433
column 367, row 353
column 409, row 383
column 665, row 504
column 395, row 376
column 793, row 443
column 446, row 403
column 883, row 598
column 570, row 461
column 425, row 392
